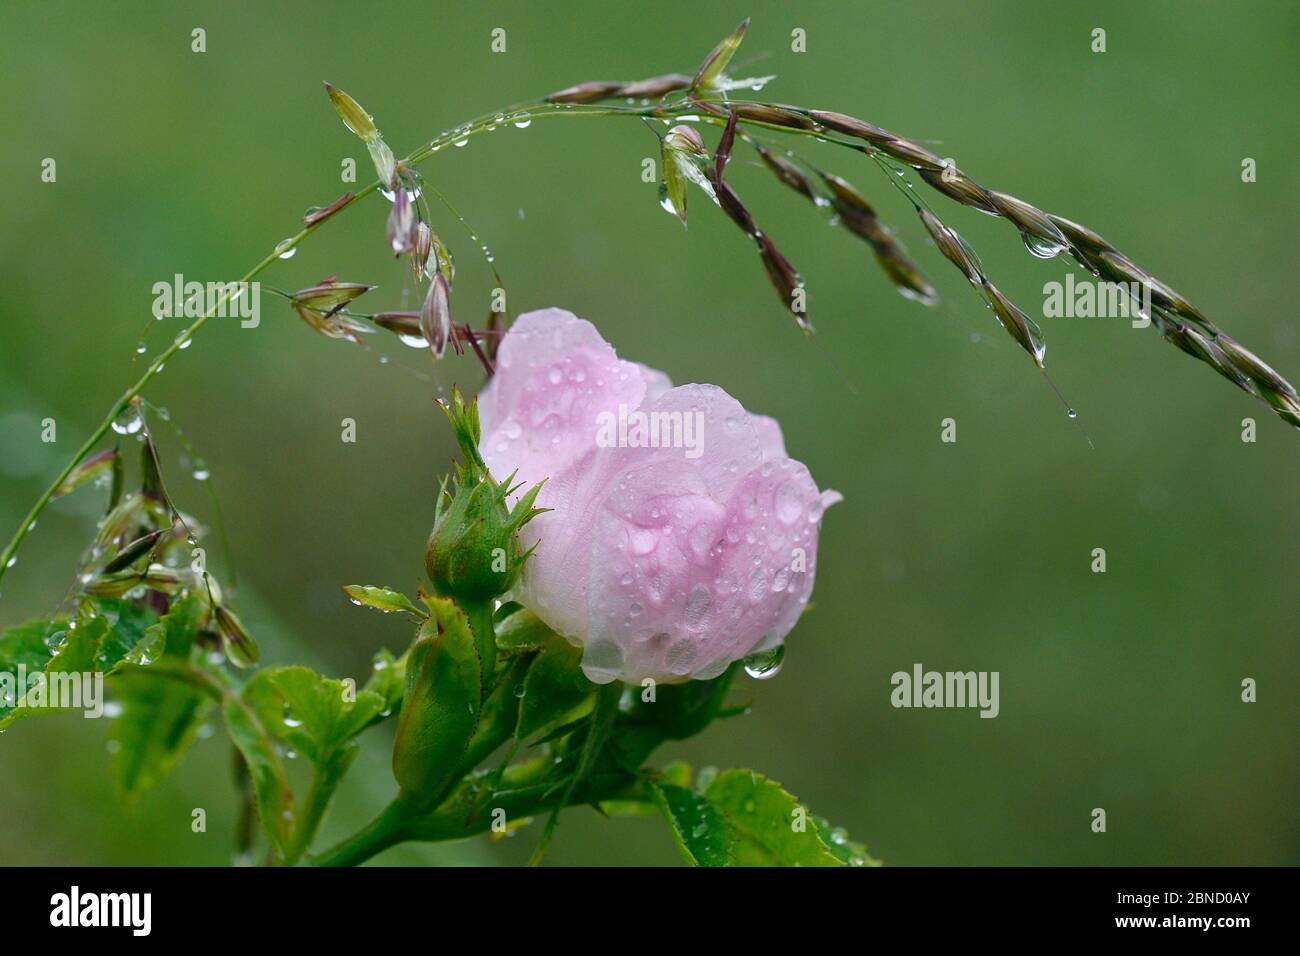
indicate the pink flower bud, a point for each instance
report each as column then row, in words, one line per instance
column 682, row 538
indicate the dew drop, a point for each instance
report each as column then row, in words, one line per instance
column 285, row 249
column 1042, row 248
column 523, row 124
column 781, row 580
column 765, row 664
column 680, row 657
column 601, row 661
column 789, row 507
column 697, row 606
column 129, row 422
column 701, row 539
column 140, row 348
column 643, row 541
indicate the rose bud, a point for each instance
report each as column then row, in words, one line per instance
column 681, row 538
column 473, row 553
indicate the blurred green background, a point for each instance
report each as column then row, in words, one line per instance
column 1118, row 690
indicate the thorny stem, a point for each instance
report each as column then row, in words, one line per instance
column 525, row 794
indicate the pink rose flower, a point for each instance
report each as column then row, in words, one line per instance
column 683, row 537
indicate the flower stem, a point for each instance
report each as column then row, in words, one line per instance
column 323, row 784
column 386, row 830
column 528, row 794
column 485, row 641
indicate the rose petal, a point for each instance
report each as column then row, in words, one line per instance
column 554, row 375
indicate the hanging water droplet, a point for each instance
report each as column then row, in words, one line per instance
column 1040, row 247
column 129, row 422
column 412, row 193
column 523, row 124
column 140, row 348
column 285, row 248
column 183, row 341
column 765, row 664
column 201, row 472
column 1071, row 413
column 461, row 142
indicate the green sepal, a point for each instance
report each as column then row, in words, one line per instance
column 440, row 706
column 556, row 691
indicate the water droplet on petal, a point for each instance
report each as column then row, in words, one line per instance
column 789, row 504
column 643, row 541
column 697, row 606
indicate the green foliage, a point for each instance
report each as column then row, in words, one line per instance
column 744, row 819
column 388, row 680
column 382, row 599
column 316, row 716
column 109, row 634
column 159, row 718
column 158, row 722
column 129, row 623
column 270, row 785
